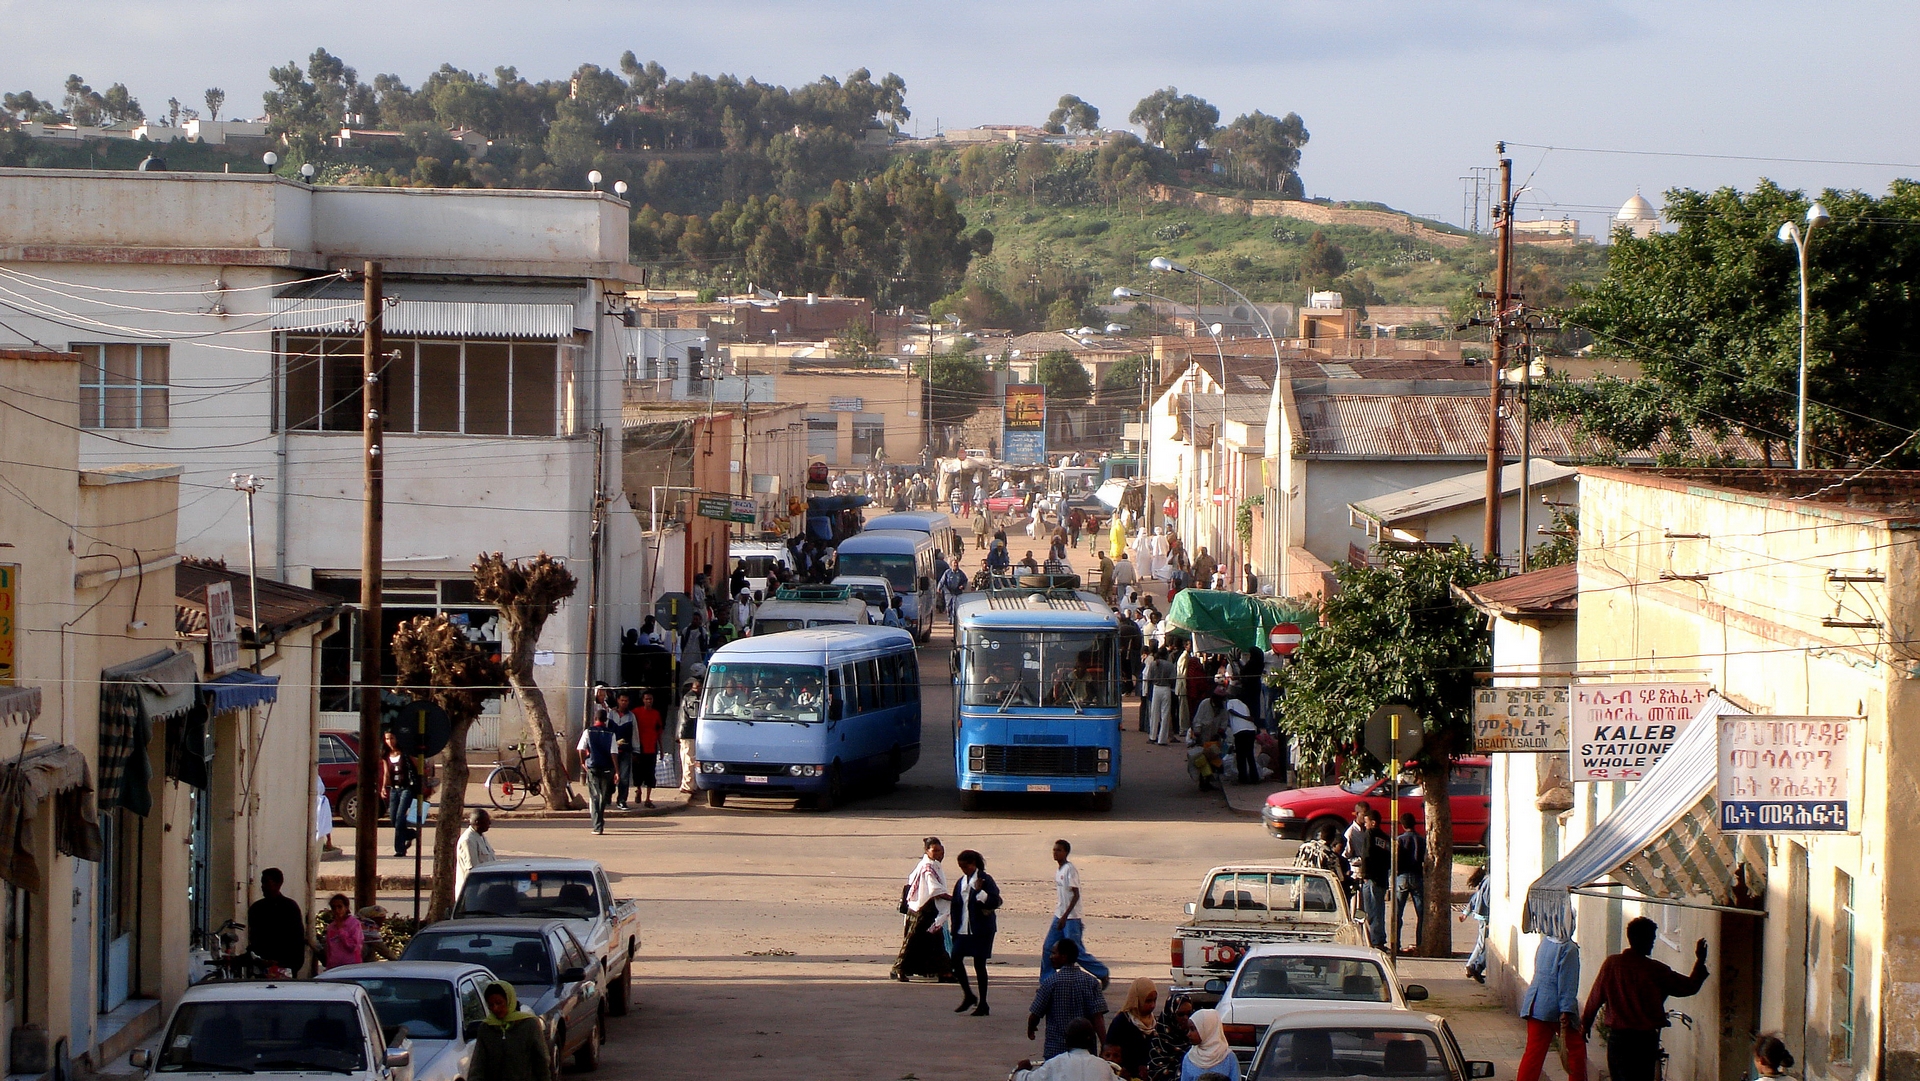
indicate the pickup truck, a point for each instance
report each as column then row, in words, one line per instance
column 286, row 1026
column 1252, row 904
column 565, row 889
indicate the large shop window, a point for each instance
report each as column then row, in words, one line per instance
column 471, row 387
column 123, row 386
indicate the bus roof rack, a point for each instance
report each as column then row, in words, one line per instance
column 1026, row 599
column 813, row 593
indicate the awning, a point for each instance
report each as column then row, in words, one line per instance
column 19, row 704
column 1235, row 618
column 133, row 698
column 434, row 309
column 55, row 772
column 166, row 680
column 239, row 690
column 1662, row 841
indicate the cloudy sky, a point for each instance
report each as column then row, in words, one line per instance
column 1402, row 97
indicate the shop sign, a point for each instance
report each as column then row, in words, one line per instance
column 9, row 597
column 223, row 630
column 1619, row 730
column 1786, row 774
column 717, row 507
column 1521, row 720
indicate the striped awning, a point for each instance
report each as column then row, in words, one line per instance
column 1662, row 842
column 434, row 309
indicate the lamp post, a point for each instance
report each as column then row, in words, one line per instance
column 1816, row 215
column 1219, row 456
column 1279, row 569
column 1146, row 436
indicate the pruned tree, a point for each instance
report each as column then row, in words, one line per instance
column 526, row 594
column 1396, row 633
column 1073, row 114
column 437, row 660
column 215, row 98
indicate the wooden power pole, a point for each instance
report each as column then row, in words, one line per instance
column 373, row 386
column 1503, row 248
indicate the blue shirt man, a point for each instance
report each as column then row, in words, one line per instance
column 1068, row 994
column 1552, row 1006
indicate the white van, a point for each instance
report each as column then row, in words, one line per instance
column 759, row 557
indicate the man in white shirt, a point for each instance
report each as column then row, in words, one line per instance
column 1079, row 1062
column 473, row 848
column 1067, row 922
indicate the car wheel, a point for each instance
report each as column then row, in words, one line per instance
column 1327, row 831
column 587, row 1059
column 619, row 995
column 348, row 808
column 557, row 1049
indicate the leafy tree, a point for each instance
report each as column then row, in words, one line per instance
column 1177, row 122
column 437, row 660
column 1064, row 313
column 978, row 305
column 856, row 342
column 295, row 110
column 214, row 98
column 957, row 384
column 1121, row 385
column 1125, row 165
column 84, row 106
column 1265, row 147
column 1712, row 313
column 1322, row 262
column 1064, row 378
column 26, row 107
column 1395, row 633
column 119, row 106
column 527, row 594
column 1563, row 547
column 1073, row 114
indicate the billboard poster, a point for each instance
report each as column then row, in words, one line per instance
column 223, row 630
column 1023, row 436
column 1786, row 774
column 1520, row 720
column 1619, row 730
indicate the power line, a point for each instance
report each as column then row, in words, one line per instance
column 1713, row 157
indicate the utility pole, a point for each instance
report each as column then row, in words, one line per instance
column 1503, row 248
column 366, row 838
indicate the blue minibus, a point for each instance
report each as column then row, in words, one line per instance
column 1036, row 694
column 934, row 523
column 905, row 559
column 808, row 714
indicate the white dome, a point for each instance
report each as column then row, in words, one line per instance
column 1636, row 209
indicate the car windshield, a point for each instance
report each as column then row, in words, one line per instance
column 1331, row 979
column 1361, row 786
column 516, row 957
column 764, row 692
column 1039, row 668
column 560, row 894
column 872, row 592
column 1264, row 894
column 1350, row 1052
column 896, row 569
column 426, row 1007
column 775, row 626
column 264, row 1035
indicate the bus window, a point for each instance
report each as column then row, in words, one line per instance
column 896, row 569
column 834, row 697
column 763, row 692
column 909, row 678
column 869, row 685
column 889, row 682
column 1035, row 668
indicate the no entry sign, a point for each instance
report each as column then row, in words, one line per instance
column 1285, row 638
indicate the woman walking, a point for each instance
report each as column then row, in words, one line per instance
column 1477, row 910
column 924, row 900
column 512, row 1045
column 976, row 897
column 1131, row 1033
column 399, row 782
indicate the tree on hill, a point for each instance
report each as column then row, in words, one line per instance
column 1265, row 148
column 1125, row 165
column 1177, row 122
column 1073, row 114
column 1322, row 262
column 1066, row 381
column 214, row 99
column 979, row 305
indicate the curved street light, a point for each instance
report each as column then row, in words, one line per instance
column 1790, row 232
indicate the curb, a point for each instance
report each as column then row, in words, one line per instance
column 1244, row 812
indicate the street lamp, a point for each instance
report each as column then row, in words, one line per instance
column 1816, row 215
column 1220, row 544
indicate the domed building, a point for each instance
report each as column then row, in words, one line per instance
column 1637, row 216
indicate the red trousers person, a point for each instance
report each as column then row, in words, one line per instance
column 1540, row 1040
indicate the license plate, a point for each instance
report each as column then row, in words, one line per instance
column 1039, row 788
column 756, row 780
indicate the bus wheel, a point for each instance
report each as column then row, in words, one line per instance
column 835, row 793
column 969, row 800
column 716, row 798
column 1102, row 801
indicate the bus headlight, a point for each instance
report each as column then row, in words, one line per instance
column 1104, row 766
column 807, row 771
column 1105, row 753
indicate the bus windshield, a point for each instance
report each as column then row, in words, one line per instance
column 1040, row 668
column 896, row 569
column 764, row 692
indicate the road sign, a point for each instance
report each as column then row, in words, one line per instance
column 1395, row 733
column 9, row 590
column 1786, row 774
column 1284, row 637
column 1619, row 730
column 1520, row 719
column 717, row 507
column 422, row 728
column 223, row 630
column 745, row 510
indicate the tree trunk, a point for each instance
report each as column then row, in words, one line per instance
column 533, row 701
column 1436, row 932
column 447, row 824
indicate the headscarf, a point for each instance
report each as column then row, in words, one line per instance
column 1137, row 996
column 515, row 1014
column 1213, row 1048
column 1169, row 1043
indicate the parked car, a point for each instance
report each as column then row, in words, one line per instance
column 873, row 589
column 1325, row 812
column 291, row 1026
column 1276, row 981
column 1245, row 905
column 554, row 977
column 1007, row 500
column 573, row 890
column 1363, row 1043
column 434, row 1000
column 340, row 773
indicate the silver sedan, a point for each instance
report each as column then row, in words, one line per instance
column 434, row 1001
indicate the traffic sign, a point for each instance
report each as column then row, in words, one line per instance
column 422, row 728
column 1395, row 733
column 1284, row 637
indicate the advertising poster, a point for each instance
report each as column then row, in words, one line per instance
column 1023, row 436
column 1786, row 774
column 1619, row 730
column 223, row 630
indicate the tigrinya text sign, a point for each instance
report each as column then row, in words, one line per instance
column 1786, row 774
column 1520, row 719
column 1619, row 730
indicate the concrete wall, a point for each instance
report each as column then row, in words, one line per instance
column 1329, row 484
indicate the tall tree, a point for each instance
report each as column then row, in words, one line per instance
column 1265, row 147
column 1066, row 381
column 1322, row 262
column 84, row 105
column 1177, row 122
column 1396, row 633
column 1711, row 311
column 527, row 594
column 1073, row 114
column 437, row 660
column 956, row 384
column 215, row 98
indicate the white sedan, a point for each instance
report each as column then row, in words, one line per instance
column 1317, row 1045
column 1278, row 980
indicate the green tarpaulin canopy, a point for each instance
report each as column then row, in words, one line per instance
column 1235, row 617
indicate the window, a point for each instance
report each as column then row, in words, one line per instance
column 334, row 751
column 1352, row 1052
column 473, row 1002
column 123, row 386
column 460, row 387
column 1843, row 966
column 401, row 599
column 1301, row 976
column 869, row 437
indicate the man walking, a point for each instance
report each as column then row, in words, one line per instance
column 597, row 763
column 1068, row 993
column 1552, row 1005
column 1634, row 989
column 689, row 728
column 1160, row 675
column 1068, row 925
column 1411, row 886
column 276, row 931
column 621, row 724
column 473, row 848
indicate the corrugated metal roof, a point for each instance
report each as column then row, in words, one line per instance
column 1554, row 591
column 283, row 607
column 1449, row 425
column 435, row 309
column 1464, row 490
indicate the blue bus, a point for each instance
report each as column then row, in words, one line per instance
column 934, row 523
column 905, row 559
column 808, row 714
column 1036, row 695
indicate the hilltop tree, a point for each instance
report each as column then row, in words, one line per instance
column 527, row 594
column 214, row 98
column 26, row 107
column 1125, row 165
column 1267, row 148
column 1177, row 122
column 83, row 105
column 1396, row 633
column 1073, row 114
column 979, row 305
column 1066, row 381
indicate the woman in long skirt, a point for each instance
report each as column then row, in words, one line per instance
column 925, row 900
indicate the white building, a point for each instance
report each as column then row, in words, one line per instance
column 222, row 334
column 1637, row 217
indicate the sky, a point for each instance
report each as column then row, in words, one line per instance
column 1402, row 97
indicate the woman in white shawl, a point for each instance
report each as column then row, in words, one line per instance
column 924, row 900
column 1210, row 1052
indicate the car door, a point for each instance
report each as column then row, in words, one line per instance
column 473, row 1010
column 1469, row 787
column 583, row 996
column 338, row 764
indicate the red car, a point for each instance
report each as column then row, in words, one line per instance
column 1325, row 812
column 1004, row 503
column 340, row 773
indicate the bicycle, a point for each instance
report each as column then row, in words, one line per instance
column 226, row 961
column 511, row 779
column 1660, row 1063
